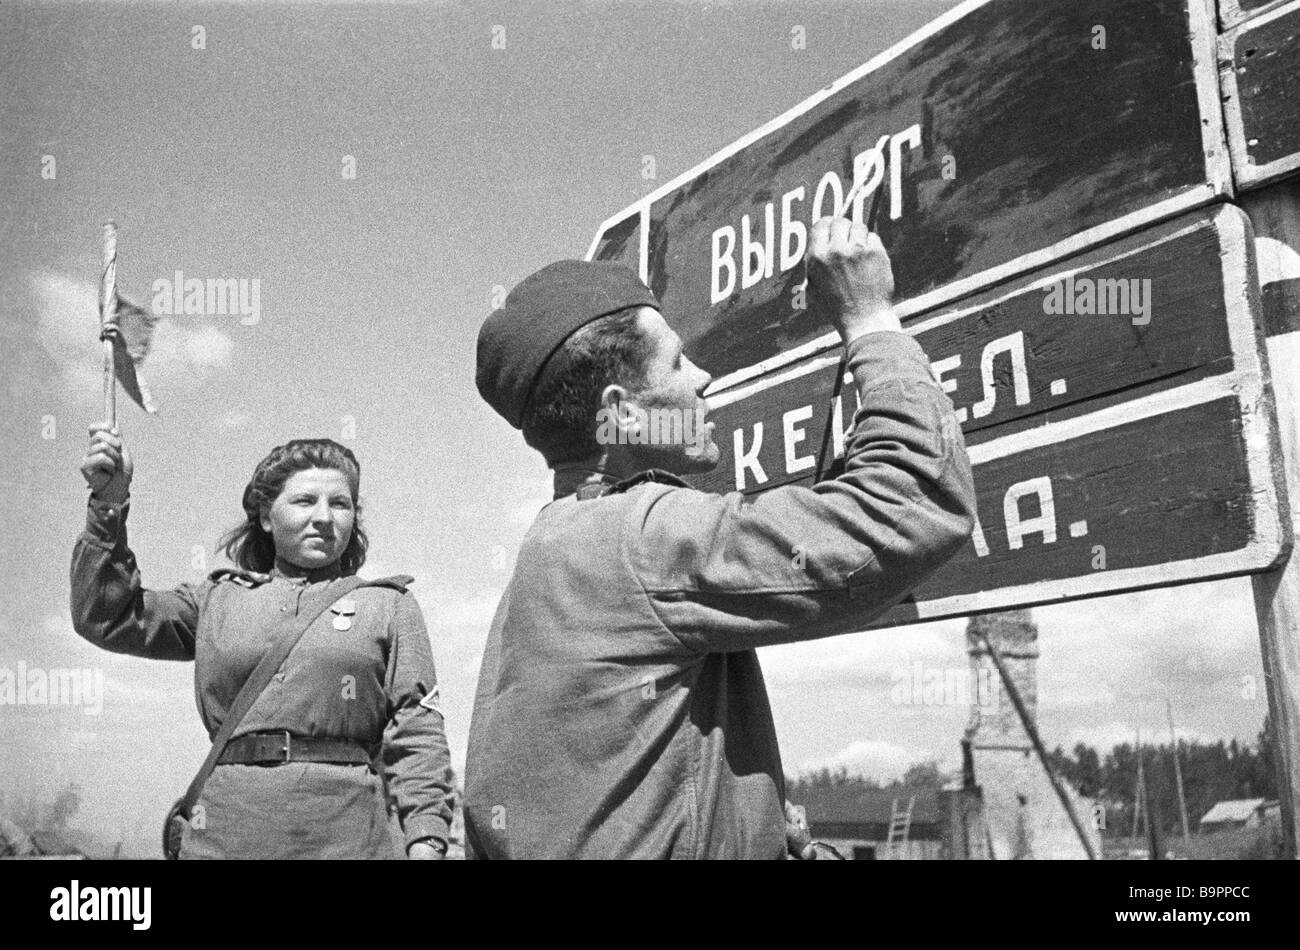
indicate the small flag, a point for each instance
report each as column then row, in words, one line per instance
column 130, row 346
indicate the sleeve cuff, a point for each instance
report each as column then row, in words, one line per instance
column 420, row 828
column 105, row 521
column 885, row 355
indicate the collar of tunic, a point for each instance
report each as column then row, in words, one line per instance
column 588, row 483
column 328, row 573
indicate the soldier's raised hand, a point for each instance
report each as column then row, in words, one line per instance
column 423, row 851
column 850, row 280
column 107, row 466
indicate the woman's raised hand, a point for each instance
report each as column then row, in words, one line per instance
column 423, row 851
column 107, row 466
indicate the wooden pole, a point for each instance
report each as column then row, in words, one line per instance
column 1275, row 214
column 1178, row 772
column 108, row 320
column 1139, row 794
column 1153, row 822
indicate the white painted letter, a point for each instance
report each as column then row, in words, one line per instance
column 722, row 261
column 748, row 460
column 830, row 182
column 1013, row 344
column 796, row 463
column 1046, row 520
column 939, row 367
column 754, row 252
column 912, row 136
column 868, row 166
column 791, row 228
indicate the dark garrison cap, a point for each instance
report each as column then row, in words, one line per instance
column 543, row 311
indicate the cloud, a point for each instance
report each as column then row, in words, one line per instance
column 1072, row 691
column 873, row 653
column 67, row 317
column 873, row 759
column 459, row 616
column 180, row 350
column 1105, row 736
column 525, row 512
column 1106, row 667
column 67, row 330
column 1190, row 641
column 207, row 347
column 232, row 420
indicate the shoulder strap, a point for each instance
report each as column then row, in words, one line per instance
column 240, row 576
column 257, row 681
column 655, row 476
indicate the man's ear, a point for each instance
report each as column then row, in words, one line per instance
column 620, row 410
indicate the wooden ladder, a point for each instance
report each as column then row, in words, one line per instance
column 900, row 825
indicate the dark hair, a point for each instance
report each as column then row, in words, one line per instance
column 560, row 419
column 253, row 548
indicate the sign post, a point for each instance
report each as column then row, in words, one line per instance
column 1275, row 213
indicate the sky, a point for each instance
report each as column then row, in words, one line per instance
column 474, row 167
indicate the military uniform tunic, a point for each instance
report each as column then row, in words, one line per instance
column 362, row 671
column 621, row 710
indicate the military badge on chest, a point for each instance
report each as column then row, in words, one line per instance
column 344, row 610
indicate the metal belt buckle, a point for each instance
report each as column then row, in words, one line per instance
column 288, row 745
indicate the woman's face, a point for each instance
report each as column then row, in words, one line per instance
column 311, row 521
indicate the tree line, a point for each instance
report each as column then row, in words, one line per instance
column 1212, row 772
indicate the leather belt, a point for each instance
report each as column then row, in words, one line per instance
column 261, row 748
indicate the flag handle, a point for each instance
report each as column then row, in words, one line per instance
column 108, row 320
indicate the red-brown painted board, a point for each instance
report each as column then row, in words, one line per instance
column 1167, row 488
column 1016, row 128
column 1009, row 363
column 621, row 241
column 1113, row 451
column 1235, row 12
column 1263, row 97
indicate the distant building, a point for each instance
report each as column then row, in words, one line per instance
column 1243, row 829
column 856, row 820
column 1237, row 813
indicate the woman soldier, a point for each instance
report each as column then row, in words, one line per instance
column 297, row 778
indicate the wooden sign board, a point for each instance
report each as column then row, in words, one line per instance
column 1115, row 413
column 1003, row 136
column 1233, row 13
column 1261, row 95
